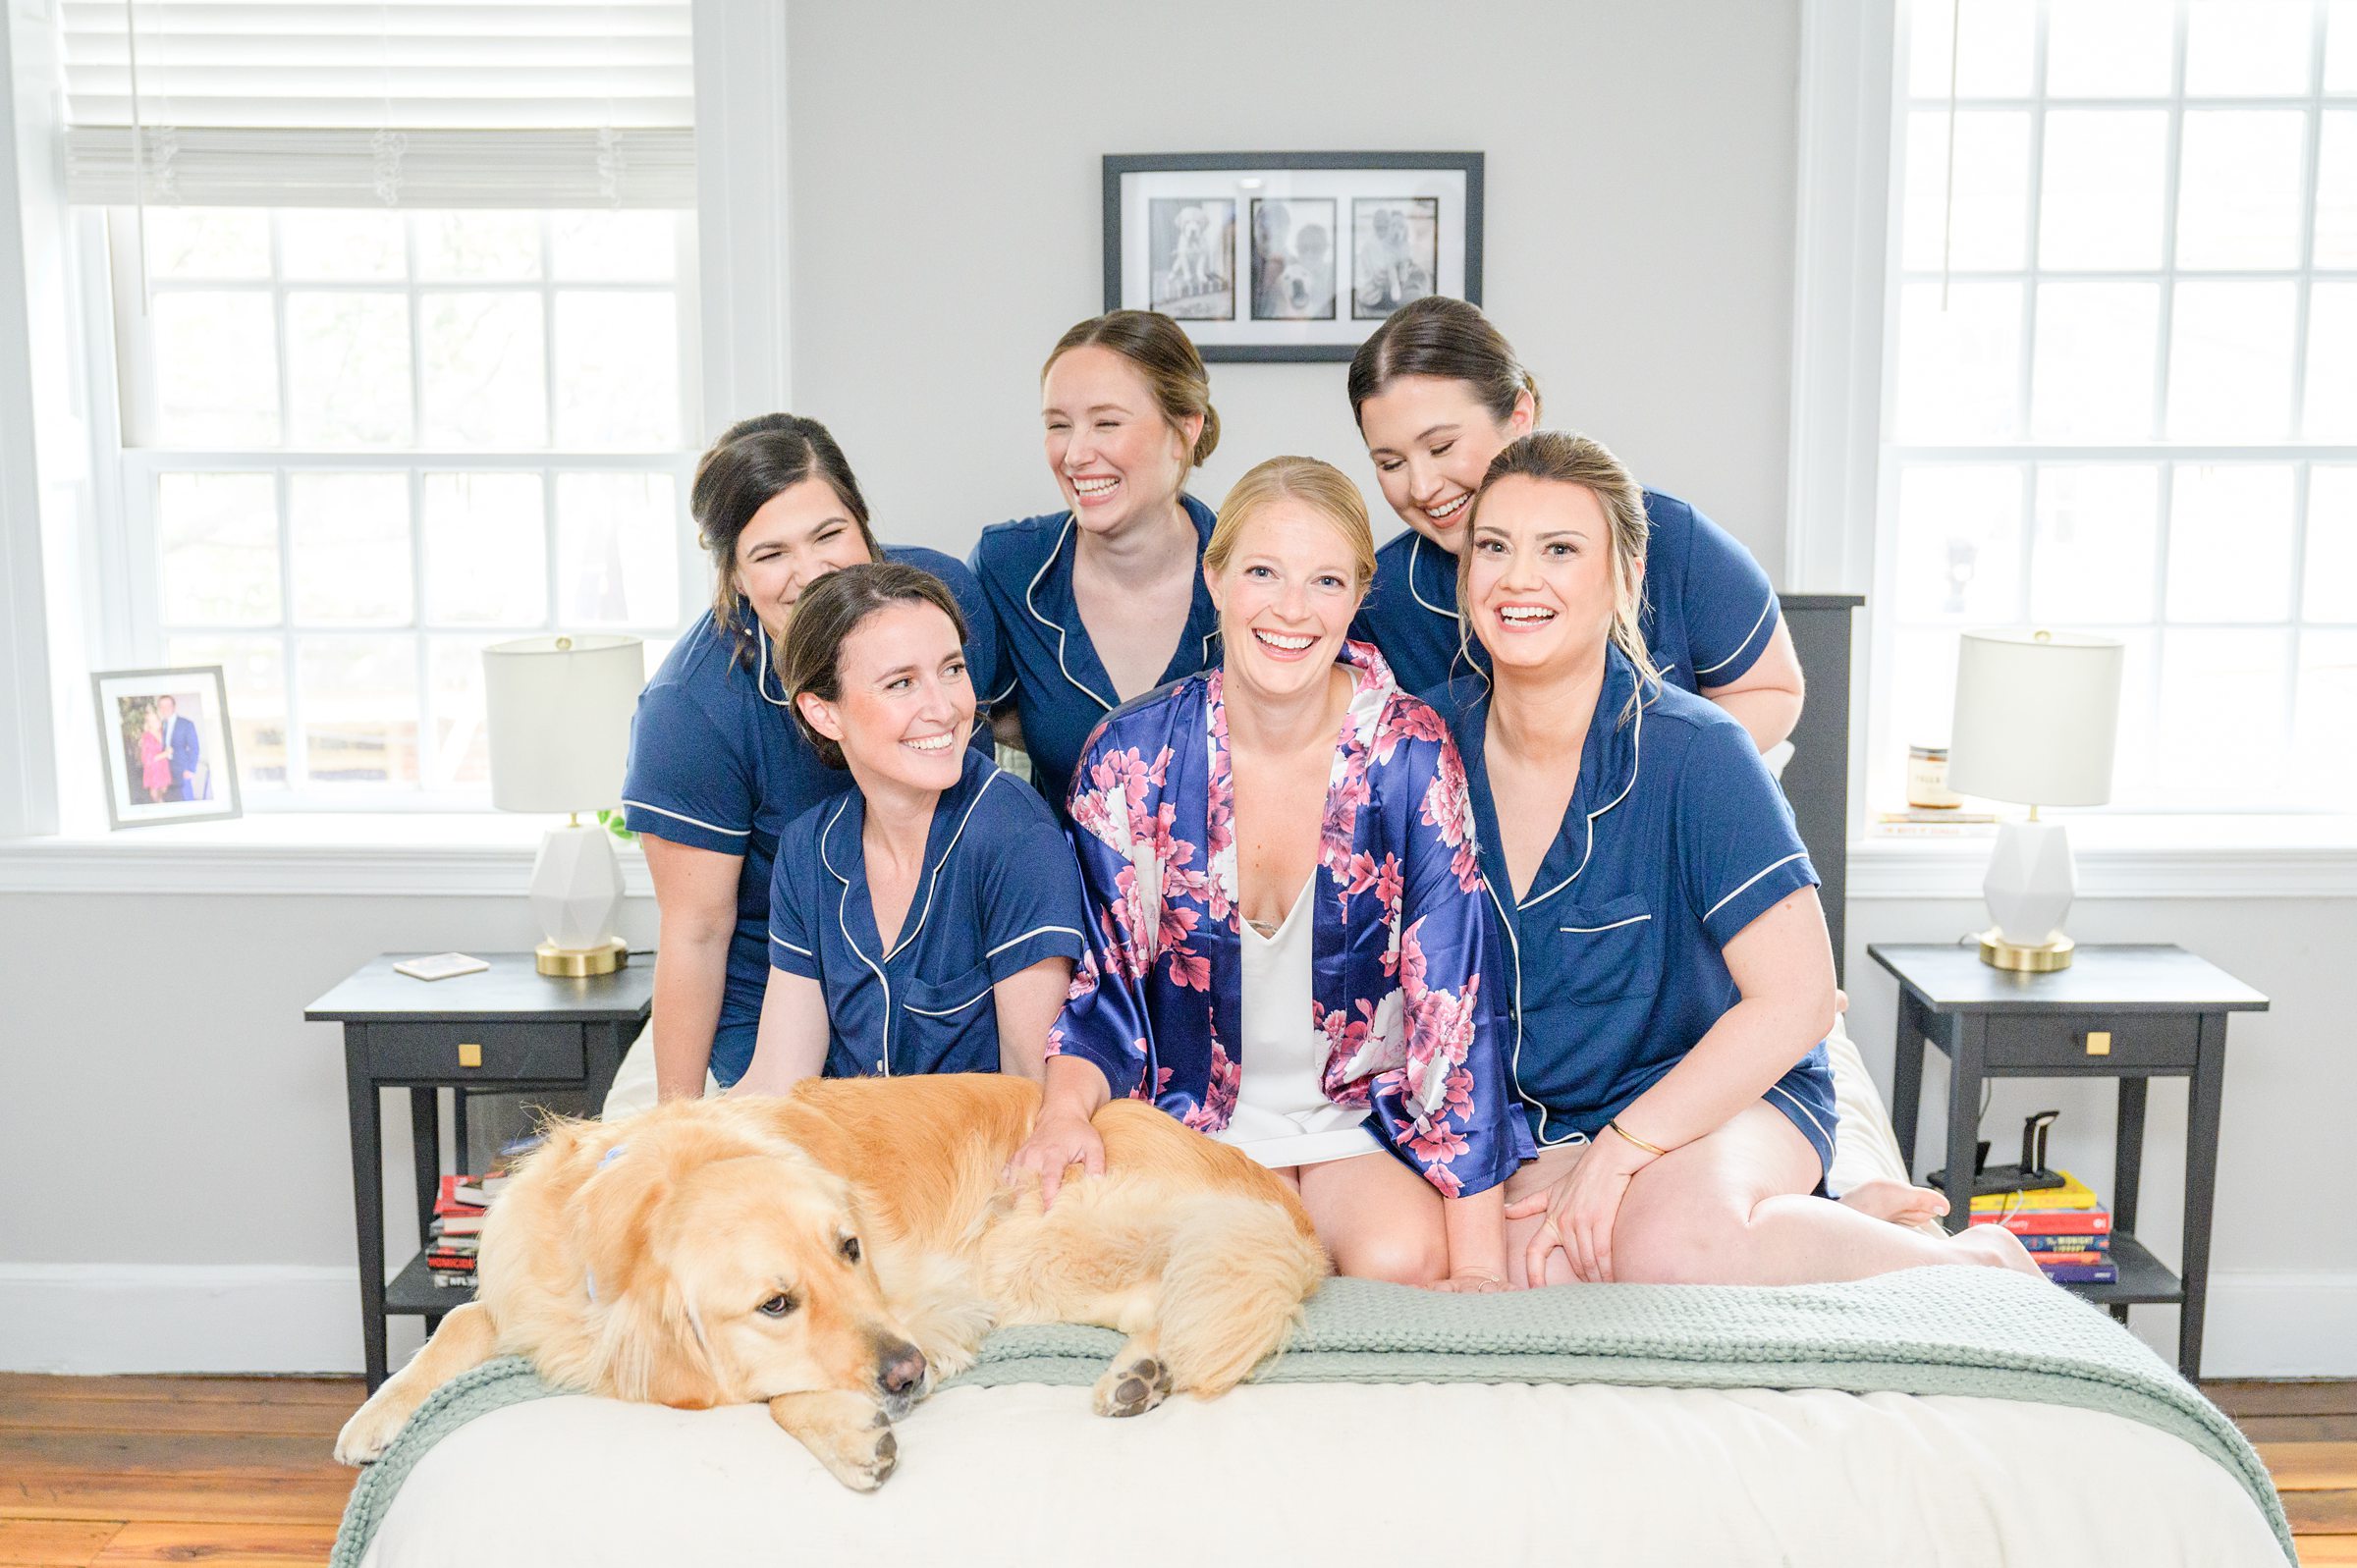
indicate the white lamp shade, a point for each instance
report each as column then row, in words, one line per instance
column 2037, row 717
column 558, row 710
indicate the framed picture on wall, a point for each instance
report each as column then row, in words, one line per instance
column 1288, row 255
column 165, row 739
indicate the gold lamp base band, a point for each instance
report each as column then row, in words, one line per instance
column 551, row 959
column 2023, row 958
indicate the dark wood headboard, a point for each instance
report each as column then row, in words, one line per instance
column 1816, row 779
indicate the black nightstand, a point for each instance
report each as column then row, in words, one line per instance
column 2126, row 1012
column 507, row 1029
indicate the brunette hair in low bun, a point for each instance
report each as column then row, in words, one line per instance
column 1437, row 335
column 1164, row 356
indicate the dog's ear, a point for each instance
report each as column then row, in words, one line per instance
column 652, row 1349
column 676, row 1357
column 651, row 1346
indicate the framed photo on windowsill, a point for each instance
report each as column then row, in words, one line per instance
column 1288, row 255
column 165, row 739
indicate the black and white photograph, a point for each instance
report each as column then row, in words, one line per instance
column 1275, row 257
column 165, row 737
column 1194, row 258
column 1292, row 259
column 1395, row 252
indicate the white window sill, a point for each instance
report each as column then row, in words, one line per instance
column 489, row 855
column 2130, row 856
column 434, row 854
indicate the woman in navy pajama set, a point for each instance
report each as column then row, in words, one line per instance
column 928, row 919
column 1105, row 600
column 1666, row 981
column 1437, row 391
column 716, row 771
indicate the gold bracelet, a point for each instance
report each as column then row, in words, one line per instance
column 1653, row 1149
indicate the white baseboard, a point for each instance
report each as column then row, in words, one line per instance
column 2271, row 1325
column 126, row 1318
column 278, row 1318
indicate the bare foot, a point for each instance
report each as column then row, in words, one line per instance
column 1897, row 1202
column 1999, row 1247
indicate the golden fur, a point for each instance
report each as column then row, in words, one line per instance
column 808, row 1250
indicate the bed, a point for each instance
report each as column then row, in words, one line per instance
column 1314, row 1473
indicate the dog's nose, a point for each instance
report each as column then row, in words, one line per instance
column 900, row 1368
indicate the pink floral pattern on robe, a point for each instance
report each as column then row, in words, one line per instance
column 1397, row 950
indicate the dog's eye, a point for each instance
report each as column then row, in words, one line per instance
column 851, row 1249
column 777, row 1306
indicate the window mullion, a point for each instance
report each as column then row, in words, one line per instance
column 297, row 742
column 2164, row 347
column 413, row 489
column 2034, row 184
column 2304, row 285
column 550, row 568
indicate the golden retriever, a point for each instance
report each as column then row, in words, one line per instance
column 836, row 1251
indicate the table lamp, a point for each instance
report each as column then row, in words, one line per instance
column 2037, row 718
column 558, row 712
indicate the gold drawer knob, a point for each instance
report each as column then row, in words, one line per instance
column 2098, row 1042
column 471, row 1054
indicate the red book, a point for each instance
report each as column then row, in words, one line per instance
column 449, row 1202
column 2051, row 1221
column 452, row 1261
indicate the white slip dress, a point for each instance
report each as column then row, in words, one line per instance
column 1282, row 1116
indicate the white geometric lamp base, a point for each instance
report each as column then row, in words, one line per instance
column 577, row 893
column 2032, row 881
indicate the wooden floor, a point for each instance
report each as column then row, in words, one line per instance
column 229, row 1471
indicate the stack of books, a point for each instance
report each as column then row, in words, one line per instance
column 455, row 1230
column 2065, row 1228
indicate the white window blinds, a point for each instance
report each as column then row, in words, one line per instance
column 528, row 103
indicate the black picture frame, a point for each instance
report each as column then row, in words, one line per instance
column 1240, row 336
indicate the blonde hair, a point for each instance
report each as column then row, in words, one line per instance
column 1557, row 457
column 1321, row 486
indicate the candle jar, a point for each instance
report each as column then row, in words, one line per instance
column 1927, row 779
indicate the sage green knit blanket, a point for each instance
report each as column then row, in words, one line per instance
column 1946, row 1330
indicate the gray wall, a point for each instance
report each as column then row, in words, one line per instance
column 179, row 1194
column 173, row 1136
column 947, row 211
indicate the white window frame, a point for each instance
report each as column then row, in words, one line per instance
column 1851, row 131
column 131, row 633
column 52, row 838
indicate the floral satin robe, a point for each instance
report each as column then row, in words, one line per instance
column 1397, row 947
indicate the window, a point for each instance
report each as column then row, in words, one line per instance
column 402, row 355
column 361, row 445
column 2123, row 385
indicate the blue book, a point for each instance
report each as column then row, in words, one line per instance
column 2082, row 1274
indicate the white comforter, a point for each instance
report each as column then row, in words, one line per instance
column 1348, row 1474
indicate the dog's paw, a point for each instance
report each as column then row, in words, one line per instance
column 862, row 1460
column 1133, row 1387
column 849, row 1433
column 371, row 1431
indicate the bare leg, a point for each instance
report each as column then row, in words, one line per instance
column 1733, row 1208
column 1897, row 1202
column 1376, row 1219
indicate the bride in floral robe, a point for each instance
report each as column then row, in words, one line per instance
column 1398, row 1026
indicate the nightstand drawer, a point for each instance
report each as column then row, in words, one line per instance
column 2137, row 1043
column 461, row 1053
